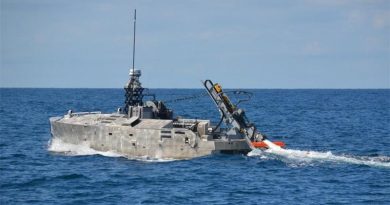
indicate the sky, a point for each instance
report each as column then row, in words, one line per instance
column 240, row 44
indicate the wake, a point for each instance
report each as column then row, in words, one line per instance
column 287, row 155
column 83, row 149
column 306, row 157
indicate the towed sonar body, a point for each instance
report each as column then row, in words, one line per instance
column 148, row 129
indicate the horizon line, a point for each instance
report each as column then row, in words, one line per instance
column 275, row 88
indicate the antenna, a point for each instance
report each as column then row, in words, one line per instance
column 133, row 89
column 135, row 18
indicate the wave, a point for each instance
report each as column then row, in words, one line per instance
column 307, row 157
column 84, row 149
column 291, row 156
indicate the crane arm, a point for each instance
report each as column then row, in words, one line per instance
column 233, row 116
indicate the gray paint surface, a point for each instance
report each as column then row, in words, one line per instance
column 156, row 138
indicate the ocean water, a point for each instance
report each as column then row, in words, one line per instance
column 338, row 152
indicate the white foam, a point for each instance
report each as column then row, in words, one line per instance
column 84, row 149
column 300, row 156
column 57, row 145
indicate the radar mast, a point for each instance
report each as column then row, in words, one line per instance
column 133, row 89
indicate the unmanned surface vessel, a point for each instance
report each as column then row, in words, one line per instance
column 148, row 129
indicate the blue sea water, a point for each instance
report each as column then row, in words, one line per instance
column 339, row 142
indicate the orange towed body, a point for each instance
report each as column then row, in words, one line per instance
column 263, row 145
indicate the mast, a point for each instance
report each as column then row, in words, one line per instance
column 133, row 89
column 135, row 21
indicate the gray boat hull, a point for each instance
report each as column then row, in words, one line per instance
column 152, row 138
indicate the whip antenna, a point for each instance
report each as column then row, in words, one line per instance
column 135, row 18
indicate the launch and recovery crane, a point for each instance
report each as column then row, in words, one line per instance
column 235, row 117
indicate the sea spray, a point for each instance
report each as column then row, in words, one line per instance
column 57, row 145
column 84, row 149
column 300, row 156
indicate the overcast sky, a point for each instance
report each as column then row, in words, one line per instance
column 241, row 44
